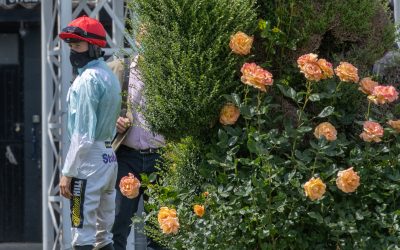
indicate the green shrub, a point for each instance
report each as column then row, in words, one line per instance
column 187, row 67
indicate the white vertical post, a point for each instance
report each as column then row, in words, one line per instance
column 117, row 36
column 47, row 161
column 65, row 76
column 397, row 17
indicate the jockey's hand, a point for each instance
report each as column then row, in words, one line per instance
column 65, row 187
column 123, row 124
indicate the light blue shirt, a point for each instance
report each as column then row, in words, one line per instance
column 94, row 102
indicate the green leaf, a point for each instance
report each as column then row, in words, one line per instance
column 232, row 141
column 289, row 92
column 315, row 97
column 252, row 145
column 304, row 129
column 359, row 215
column 327, row 111
column 316, row 216
column 152, row 177
column 236, row 99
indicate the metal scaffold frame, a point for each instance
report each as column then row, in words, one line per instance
column 56, row 78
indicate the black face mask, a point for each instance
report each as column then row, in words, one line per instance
column 79, row 59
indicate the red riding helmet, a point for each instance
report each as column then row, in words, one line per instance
column 86, row 29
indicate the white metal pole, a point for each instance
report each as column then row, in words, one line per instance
column 47, row 161
column 396, row 7
column 118, row 34
column 65, row 17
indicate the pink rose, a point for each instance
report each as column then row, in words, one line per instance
column 372, row 132
column 326, row 68
column 384, row 94
column 255, row 76
column 307, row 58
column 312, row 71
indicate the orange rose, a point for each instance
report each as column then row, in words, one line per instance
column 312, row 72
column 255, row 76
column 326, row 130
column 314, row 69
column 367, row 85
column 199, row 210
column 395, row 125
column 348, row 180
column 168, row 220
column 129, row 186
column 170, row 225
column 164, row 213
column 241, row 43
column 314, row 188
column 384, row 94
column 307, row 58
column 229, row 114
column 326, row 68
column 372, row 132
column 205, row 194
column 347, row 72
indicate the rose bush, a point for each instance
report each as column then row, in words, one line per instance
column 311, row 162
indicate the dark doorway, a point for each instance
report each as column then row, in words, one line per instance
column 11, row 149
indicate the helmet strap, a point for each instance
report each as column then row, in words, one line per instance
column 95, row 51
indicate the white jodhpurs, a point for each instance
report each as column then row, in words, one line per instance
column 93, row 202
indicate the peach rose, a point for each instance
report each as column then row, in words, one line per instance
column 326, row 68
column 384, row 94
column 312, row 71
column 347, row 72
column 199, row 210
column 347, row 180
column 205, row 194
column 255, row 76
column 129, row 186
column 170, row 225
column 314, row 188
column 164, row 213
column 241, row 43
column 168, row 220
column 372, row 132
column 326, row 130
column 367, row 85
column 307, row 58
column 229, row 114
column 395, row 125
